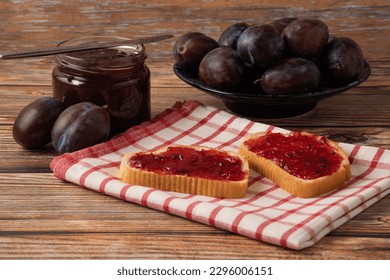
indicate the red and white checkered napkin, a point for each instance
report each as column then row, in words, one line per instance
column 267, row 213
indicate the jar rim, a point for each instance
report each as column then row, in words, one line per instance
column 113, row 58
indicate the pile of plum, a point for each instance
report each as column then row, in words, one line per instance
column 286, row 56
column 47, row 120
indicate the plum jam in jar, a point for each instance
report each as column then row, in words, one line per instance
column 116, row 77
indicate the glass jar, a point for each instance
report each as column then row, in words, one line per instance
column 115, row 77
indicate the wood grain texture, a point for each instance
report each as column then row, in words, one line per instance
column 42, row 217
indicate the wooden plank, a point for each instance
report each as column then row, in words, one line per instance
column 346, row 109
column 48, row 205
column 171, row 246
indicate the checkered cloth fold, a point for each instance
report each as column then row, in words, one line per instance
column 267, row 213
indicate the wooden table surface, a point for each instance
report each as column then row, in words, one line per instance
column 42, row 217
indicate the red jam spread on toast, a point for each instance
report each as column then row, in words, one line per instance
column 207, row 164
column 304, row 156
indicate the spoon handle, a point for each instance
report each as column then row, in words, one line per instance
column 69, row 49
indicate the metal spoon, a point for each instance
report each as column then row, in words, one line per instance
column 69, row 49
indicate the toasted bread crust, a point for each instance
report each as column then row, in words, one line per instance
column 292, row 184
column 182, row 183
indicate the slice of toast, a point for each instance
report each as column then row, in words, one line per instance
column 188, row 169
column 320, row 164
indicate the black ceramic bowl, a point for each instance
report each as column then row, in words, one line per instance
column 261, row 105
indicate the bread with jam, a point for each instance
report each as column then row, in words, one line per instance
column 304, row 164
column 188, row 169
